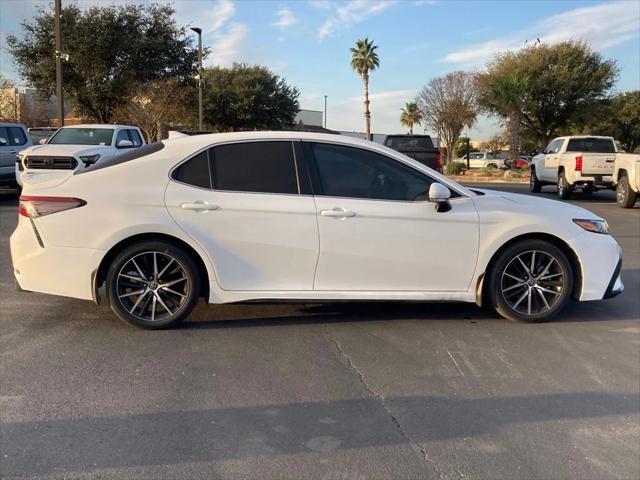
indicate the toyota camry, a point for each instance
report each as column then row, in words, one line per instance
column 284, row 216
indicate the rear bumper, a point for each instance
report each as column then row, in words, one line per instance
column 64, row 271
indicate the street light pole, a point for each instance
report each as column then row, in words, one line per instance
column 325, row 111
column 200, row 83
column 59, row 55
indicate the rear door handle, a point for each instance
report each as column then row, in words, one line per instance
column 198, row 206
column 337, row 213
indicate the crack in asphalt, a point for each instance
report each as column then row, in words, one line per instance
column 416, row 445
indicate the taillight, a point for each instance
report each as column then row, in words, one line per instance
column 579, row 163
column 438, row 163
column 36, row 206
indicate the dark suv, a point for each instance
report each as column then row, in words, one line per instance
column 418, row 147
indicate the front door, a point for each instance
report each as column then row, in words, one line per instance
column 242, row 203
column 377, row 230
column 552, row 161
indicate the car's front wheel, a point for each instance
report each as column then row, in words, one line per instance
column 625, row 196
column 531, row 281
column 153, row 285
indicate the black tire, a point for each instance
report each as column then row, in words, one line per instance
column 535, row 185
column 564, row 189
column 162, row 305
column 625, row 196
column 542, row 298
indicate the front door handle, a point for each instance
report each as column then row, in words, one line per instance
column 198, row 206
column 337, row 213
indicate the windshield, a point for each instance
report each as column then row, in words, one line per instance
column 595, row 145
column 409, row 143
column 37, row 135
column 82, row 136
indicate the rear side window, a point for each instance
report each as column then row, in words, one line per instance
column 595, row 145
column 17, row 136
column 260, row 167
column 194, row 171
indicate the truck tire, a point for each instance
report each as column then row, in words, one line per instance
column 564, row 189
column 535, row 185
column 625, row 196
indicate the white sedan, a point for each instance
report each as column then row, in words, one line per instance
column 299, row 216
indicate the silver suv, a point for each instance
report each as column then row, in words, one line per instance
column 14, row 137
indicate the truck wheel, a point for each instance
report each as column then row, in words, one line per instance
column 535, row 185
column 625, row 197
column 564, row 189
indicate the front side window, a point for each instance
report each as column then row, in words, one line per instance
column 82, row 136
column 352, row 172
column 260, row 167
column 17, row 136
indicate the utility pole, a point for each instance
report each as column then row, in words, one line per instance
column 59, row 56
column 200, row 82
column 325, row 111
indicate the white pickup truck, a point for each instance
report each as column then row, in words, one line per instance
column 77, row 146
column 626, row 177
column 579, row 161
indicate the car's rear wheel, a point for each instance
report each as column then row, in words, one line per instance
column 535, row 185
column 531, row 281
column 153, row 285
column 564, row 189
column 625, row 196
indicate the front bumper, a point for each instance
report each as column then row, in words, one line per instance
column 55, row 270
column 600, row 259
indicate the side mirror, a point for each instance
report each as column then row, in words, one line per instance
column 42, row 141
column 3, row 142
column 124, row 144
column 439, row 194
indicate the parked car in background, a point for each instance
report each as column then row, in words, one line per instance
column 76, row 147
column 296, row 216
column 579, row 161
column 482, row 160
column 40, row 135
column 522, row 161
column 418, row 147
column 13, row 139
column 626, row 178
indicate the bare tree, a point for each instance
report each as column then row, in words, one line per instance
column 154, row 105
column 448, row 104
column 9, row 100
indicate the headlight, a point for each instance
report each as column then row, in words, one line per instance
column 90, row 159
column 595, row 226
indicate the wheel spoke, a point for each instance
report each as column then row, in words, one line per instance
column 164, row 269
column 153, row 307
column 155, row 266
column 517, row 285
column 138, row 301
column 521, row 280
column 544, row 299
column 533, row 262
column 552, row 275
column 173, row 282
column 546, row 269
column 526, row 269
column 135, row 279
column 546, row 290
column 163, row 304
column 131, row 294
column 529, row 301
column 142, row 275
column 522, row 297
column 167, row 289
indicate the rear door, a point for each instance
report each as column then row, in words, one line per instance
column 244, row 203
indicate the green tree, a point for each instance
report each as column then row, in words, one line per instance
column 460, row 147
column 364, row 59
column 618, row 117
column 410, row 116
column 543, row 87
column 247, row 97
column 111, row 49
column 448, row 104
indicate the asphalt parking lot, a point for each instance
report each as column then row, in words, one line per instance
column 347, row 391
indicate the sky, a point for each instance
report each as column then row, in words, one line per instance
column 308, row 41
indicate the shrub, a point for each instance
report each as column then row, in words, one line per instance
column 454, row 168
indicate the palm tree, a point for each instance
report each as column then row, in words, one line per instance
column 410, row 116
column 363, row 60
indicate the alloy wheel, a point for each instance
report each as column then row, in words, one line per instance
column 152, row 286
column 620, row 193
column 532, row 282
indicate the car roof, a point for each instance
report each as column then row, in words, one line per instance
column 98, row 125
column 8, row 124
